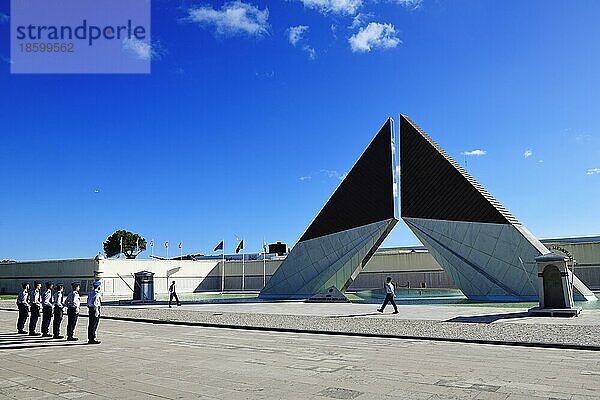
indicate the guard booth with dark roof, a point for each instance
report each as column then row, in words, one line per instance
column 143, row 286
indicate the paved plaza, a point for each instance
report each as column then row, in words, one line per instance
column 139, row 360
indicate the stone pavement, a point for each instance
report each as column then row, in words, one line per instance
column 145, row 361
column 451, row 323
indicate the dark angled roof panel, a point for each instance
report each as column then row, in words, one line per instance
column 365, row 196
column 434, row 186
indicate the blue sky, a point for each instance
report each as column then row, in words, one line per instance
column 254, row 110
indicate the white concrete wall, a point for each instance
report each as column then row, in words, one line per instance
column 188, row 277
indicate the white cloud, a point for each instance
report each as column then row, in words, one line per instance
column 310, row 52
column 138, row 48
column 528, row 153
column 592, row 171
column 348, row 7
column 305, row 178
column 296, row 33
column 411, row 4
column 333, row 174
column 360, row 19
column 373, row 36
column 232, row 18
column 476, row 153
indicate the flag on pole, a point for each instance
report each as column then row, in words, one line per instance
column 181, row 245
column 167, row 244
column 264, row 247
column 152, row 243
column 219, row 246
column 240, row 246
column 137, row 243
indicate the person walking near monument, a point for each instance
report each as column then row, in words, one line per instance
column 73, row 303
column 23, row 305
column 35, row 304
column 389, row 296
column 94, row 305
column 58, row 303
column 173, row 294
column 47, row 309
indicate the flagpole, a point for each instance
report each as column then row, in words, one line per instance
column 264, row 263
column 223, row 268
column 243, row 271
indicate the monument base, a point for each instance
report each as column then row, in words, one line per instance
column 554, row 312
column 330, row 295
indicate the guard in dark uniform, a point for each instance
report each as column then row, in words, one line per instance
column 73, row 303
column 94, row 305
column 173, row 295
column 47, row 309
column 23, row 305
column 58, row 304
column 35, row 303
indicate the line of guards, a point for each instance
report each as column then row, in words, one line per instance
column 51, row 304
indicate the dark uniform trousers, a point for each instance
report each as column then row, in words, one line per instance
column 35, row 315
column 389, row 298
column 92, row 323
column 23, row 315
column 58, row 317
column 172, row 296
column 72, row 317
column 46, row 318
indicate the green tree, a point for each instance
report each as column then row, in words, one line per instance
column 133, row 244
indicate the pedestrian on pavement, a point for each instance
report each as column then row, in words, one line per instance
column 389, row 296
column 94, row 305
column 58, row 303
column 23, row 305
column 35, row 303
column 47, row 309
column 73, row 303
column 173, row 294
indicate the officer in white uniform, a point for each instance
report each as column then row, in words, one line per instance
column 58, row 304
column 47, row 309
column 23, row 305
column 93, row 303
column 35, row 303
column 389, row 296
column 73, row 303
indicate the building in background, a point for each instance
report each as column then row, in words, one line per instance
column 410, row 267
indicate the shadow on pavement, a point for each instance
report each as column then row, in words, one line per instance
column 488, row 319
column 354, row 315
column 61, row 343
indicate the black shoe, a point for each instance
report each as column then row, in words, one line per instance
column 395, row 312
column 380, row 310
column 58, row 337
column 94, row 341
column 169, row 306
column 21, row 333
column 34, row 334
column 46, row 335
column 72, row 339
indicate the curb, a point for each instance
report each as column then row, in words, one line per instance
column 561, row 346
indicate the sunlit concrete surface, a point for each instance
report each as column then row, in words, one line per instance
column 144, row 361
